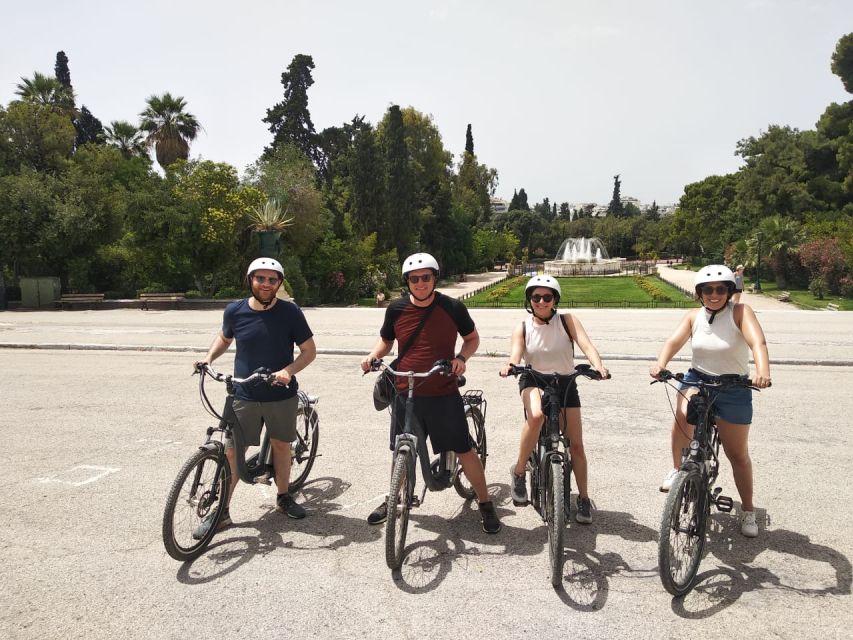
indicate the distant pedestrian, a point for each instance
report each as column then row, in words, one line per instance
column 380, row 298
column 738, row 284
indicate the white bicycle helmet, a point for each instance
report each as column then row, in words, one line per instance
column 543, row 281
column 714, row 273
column 419, row 261
column 265, row 263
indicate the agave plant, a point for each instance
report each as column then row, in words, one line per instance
column 269, row 217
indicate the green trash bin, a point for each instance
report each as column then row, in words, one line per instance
column 40, row 293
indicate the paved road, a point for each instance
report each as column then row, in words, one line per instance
column 685, row 280
column 94, row 438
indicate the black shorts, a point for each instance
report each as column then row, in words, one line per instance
column 568, row 391
column 441, row 417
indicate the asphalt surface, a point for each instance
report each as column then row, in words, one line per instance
column 101, row 411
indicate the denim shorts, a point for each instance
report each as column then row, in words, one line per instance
column 731, row 405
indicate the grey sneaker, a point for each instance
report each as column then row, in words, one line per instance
column 748, row 525
column 287, row 505
column 667, row 481
column 584, row 513
column 518, row 485
column 379, row 514
column 491, row 523
column 202, row 529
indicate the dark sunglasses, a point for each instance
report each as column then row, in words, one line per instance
column 540, row 298
column 719, row 290
column 427, row 277
column 273, row 280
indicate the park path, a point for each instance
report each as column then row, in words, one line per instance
column 684, row 280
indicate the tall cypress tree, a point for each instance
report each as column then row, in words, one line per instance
column 89, row 128
column 469, row 141
column 289, row 120
column 615, row 208
column 402, row 216
column 62, row 72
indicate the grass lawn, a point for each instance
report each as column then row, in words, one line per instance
column 617, row 291
column 804, row 298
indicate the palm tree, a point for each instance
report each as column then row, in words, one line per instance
column 45, row 90
column 170, row 129
column 127, row 138
column 780, row 236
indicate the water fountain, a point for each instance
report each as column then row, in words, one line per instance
column 582, row 256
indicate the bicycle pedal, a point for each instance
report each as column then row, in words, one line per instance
column 416, row 502
column 724, row 504
column 263, row 479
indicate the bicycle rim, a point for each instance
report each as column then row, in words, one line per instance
column 682, row 533
column 303, row 450
column 398, row 506
column 199, row 492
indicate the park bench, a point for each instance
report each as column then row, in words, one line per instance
column 147, row 298
column 832, row 307
column 785, row 296
column 70, row 300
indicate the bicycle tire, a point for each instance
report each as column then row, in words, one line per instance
column 398, row 505
column 190, row 501
column 303, row 450
column 682, row 533
column 477, row 433
column 555, row 517
column 567, row 481
column 533, row 471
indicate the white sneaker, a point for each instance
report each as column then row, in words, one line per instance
column 667, row 481
column 748, row 526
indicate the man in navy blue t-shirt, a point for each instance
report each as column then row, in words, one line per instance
column 266, row 330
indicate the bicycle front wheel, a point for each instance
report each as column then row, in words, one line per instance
column 477, row 433
column 398, row 506
column 682, row 533
column 196, row 502
column 555, row 518
column 303, row 450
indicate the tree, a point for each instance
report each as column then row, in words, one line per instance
column 519, row 201
column 63, row 74
column 36, row 136
column 404, row 227
column 842, row 61
column 615, row 206
column 89, row 128
column 825, row 261
column 126, row 138
column 367, row 186
column 289, row 120
column 169, row 127
column 653, row 212
column 46, row 91
column 780, row 237
column 469, row 141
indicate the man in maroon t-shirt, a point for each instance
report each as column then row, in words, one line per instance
column 438, row 405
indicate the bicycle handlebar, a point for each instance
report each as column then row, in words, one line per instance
column 262, row 374
column 727, row 380
column 441, row 366
column 584, row 370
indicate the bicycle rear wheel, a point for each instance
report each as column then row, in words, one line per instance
column 682, row 532
column 198, row 494
column 477, row 433
column 398, row 506
column 303, row 450
column 555, row 518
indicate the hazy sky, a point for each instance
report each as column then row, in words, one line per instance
column 561, row 95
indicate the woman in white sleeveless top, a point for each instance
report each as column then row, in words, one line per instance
column 546, row 342
column 721, row 335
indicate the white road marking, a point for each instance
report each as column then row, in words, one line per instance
column 80, row 475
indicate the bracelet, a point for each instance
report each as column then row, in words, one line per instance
column 459, row 356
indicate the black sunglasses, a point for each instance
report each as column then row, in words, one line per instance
column 539, row 298
column 273, row 280
column 416, row 279
column 719, row 290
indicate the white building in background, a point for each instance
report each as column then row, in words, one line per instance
column 499, row 205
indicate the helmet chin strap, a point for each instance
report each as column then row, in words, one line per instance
column 535, row 315
column 431, row 294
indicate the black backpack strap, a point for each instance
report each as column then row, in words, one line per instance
column 566, row 327
column 415, row 335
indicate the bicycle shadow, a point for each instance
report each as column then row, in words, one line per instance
column 719, row 588
column 428, row 562
column 585, row 585
column 232, row 548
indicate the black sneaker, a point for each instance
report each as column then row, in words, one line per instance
column 491, row 523
column 287, row 505
column 379, row 514
column 584, row 514
column 518, row 487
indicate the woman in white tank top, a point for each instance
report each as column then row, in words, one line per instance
column 546, row 342
column 721, row 335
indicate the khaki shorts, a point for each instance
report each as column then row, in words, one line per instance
column 279, row 418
